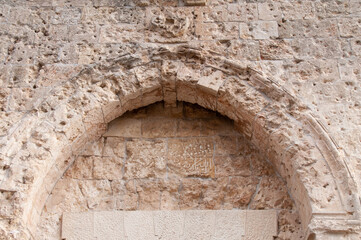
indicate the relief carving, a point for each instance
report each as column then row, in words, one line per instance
column 170, row 25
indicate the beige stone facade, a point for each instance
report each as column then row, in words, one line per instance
column 170, row 158
column 286, row 73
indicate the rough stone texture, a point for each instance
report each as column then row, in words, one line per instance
column 166, row 225
column 209, row 170
column 291, row 72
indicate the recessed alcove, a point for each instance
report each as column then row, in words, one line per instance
column 170, row 158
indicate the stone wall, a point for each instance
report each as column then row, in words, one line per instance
column 51, row 52
column 180, row 158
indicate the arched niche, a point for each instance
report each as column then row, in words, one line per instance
column 182, row 158
column 42, row 145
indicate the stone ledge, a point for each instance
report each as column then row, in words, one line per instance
column 193, row 224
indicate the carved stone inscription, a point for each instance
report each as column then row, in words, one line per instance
column 191, row 157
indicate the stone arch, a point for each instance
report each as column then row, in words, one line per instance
column 42, row 145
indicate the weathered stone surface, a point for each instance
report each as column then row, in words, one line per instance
column 83, row 222
column 124, row 128
column 125, row 194
column 277, row 197
column 108, row 168
column 232, row 166
column 191, row 157
column 76, row 65
column 259, row 30
column 240, row 191
column 97, row 194
column 82, row 168
column 149, row 162
column 196, row 224
column 158, row 127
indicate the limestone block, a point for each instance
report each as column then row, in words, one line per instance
column 125, row 194
column 261, row 224
column 94, row 148
column 124, row 127
column 308, row 28
column 190, row 195
column 22, row 99
column 240, row 191
column 130, row 15
column 212, row 14
column 244, row 49
column 225, row 145
column 276, row 49
column 114, row 147
column 84, row 33
column 259, row 30
column 148, row 78
column 277, row 198
column 229, row 225
column 149, row 192
column 350, row 27
column 109, row 225
column 355, row 7
column 220, row 31
column 332, row 8
column 7, row 207
column 68, row 121
column 356, row 46
column 191, row 157
column 5, row 12
column 139, row 230
column 320, row 48
column 315, row 71
column 211, row 83
column 195, row 111
column 189, row 128
column 199, row 224
column 9, row 120
column 242, row 12
column 4, row 94
column 169, row 224
column 21, row 76
column 213, row 193
column 78, row 226
column 232, row 166
column 4, row 75
column 170, row 193
column 108, row 168
column 288, row 223
column 160, row 110
column 269, row 11
column 68, row 16
column 97, row 193
column 260, row 166
column 211, row 127
column 100, row 15
column 20, row 15
column 150, row 161
column 298, row 10
column 82, row 168
column 120, row 33
column 158, row 127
